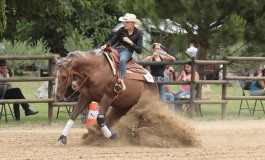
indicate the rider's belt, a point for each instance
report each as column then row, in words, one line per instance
column 158, row 78
column 121, row 47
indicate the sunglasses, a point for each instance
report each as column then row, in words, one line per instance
column 2, row 65
column 171, row 71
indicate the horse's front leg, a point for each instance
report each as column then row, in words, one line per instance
column 104, row 106
column 82, row 103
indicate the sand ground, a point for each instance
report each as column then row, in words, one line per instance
column 219, row 140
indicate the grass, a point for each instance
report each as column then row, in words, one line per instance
column 29, row 89
column 210, row 112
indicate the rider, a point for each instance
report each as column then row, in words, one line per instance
column 128, row 39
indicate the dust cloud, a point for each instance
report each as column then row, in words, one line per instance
column 149, row 123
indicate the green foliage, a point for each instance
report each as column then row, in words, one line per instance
column 55, row 20
column 213, row 25
column 2, row 16
column 78, row 42
column 25, row 48
column 233, row 30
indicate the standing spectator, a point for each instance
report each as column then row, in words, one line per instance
column 185, row 76
column 257, row 87
column 157, row 71
column 128, row 39
column 14, row 93
column 192, row 50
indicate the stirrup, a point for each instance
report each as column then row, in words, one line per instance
column 119, row 87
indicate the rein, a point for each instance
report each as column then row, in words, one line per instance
column 78, row 88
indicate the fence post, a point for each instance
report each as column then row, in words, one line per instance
column 224, row 92
column 192, row 87
column 50, row 92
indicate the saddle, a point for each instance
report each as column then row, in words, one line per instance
column 135, row 70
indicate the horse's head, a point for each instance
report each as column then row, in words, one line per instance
column 63, row 78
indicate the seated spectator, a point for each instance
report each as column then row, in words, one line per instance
column 185, row 88
column 169, row 94
column 257, row 87
column 245, row 72
column 245, row 83
column 14, row 93
column 157, row 71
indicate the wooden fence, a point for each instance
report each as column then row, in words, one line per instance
column 50, row 80
column 224, row 82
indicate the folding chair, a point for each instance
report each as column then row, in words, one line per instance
column 197, row 107
column 254, row 109
column 3, row 88
column 245, row 86
column 68, row 111
column 74, row 95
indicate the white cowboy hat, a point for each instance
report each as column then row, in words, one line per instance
column 130, row 18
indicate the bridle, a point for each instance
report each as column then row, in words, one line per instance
column 70, row 72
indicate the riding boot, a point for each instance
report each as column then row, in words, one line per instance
column 119, row 86
column 28, row 111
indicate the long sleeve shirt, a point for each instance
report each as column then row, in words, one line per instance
column 136, row 37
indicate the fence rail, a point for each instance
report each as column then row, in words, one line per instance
column 49, row 100
column 224, row 82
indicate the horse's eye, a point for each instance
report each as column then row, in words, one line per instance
column 63, row 77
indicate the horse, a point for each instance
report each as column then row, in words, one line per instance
column 95, row 82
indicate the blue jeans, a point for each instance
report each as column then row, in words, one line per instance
column 162, row 92
column 170, row 97
column 125, row 56
column 260, row 92
column 181, row 93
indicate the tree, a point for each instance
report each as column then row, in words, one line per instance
column 2, row 16
column 54, row 20
column 213, row 25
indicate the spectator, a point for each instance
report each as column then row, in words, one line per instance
column 185, row 88
column 245, row 83
column 192, row 50
column 257, row 87
column 128, row 39
column 157, row 71
column 169, row 71
column 14, row 93
column 245, row 72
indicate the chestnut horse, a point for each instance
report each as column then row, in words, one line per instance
column 96, row 83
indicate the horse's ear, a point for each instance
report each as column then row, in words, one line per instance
column 55, row 59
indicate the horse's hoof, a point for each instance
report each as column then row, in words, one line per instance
column 62, row 139
column 114, row 135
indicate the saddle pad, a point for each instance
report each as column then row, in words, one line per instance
column 141, row 77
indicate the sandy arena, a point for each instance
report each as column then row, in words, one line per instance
column 146, row 132
column 219, row 140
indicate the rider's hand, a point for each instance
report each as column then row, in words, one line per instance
column 126, row 39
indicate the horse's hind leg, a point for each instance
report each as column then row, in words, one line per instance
column 104, row 106
column 114, row 115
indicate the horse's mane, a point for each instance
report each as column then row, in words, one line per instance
column 78, row 54
column 81, row 55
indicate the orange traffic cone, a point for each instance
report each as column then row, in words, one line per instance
column 92, row 114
